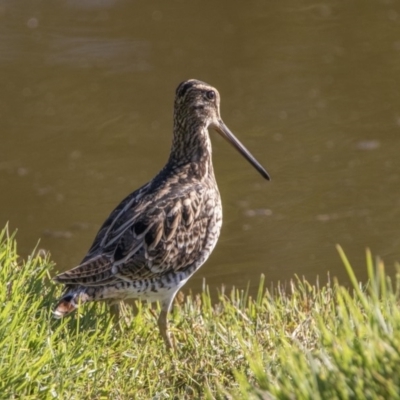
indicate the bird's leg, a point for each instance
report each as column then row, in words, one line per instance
column 163, row 322
column 115, row 310
column 115, row 313
column 119, row 313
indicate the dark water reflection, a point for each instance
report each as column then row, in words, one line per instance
column 312, row 89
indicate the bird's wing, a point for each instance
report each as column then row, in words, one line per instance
column 147, row 236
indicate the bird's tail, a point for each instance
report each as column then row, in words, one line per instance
column 69, row 302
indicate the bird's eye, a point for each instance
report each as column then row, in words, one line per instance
column 210, row 95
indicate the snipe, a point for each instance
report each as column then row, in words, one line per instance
column 162, row 233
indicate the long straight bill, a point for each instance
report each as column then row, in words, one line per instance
column 223, row 130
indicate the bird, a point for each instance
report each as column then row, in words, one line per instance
column 163, row 232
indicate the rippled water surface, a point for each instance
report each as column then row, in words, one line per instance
column 312, row 89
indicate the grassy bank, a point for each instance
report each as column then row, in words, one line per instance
column 315, row 343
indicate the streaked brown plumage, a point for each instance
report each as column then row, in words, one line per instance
column 163, row 232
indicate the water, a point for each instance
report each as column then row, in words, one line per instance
column 310, row 88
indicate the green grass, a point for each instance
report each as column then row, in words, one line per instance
column 305, row 342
